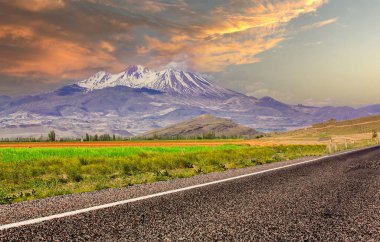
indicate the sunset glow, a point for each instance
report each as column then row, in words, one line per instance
column 58, row 41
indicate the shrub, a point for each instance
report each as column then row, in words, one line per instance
column 374, row 134
column 162, row 175
column 5, row 198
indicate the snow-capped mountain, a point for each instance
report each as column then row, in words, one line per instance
column 139, row 100
column 167, row 80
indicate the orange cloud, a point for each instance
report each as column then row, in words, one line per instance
column 210, row 56
column 233, row 36
column 38, row 5
column 13, row 32
column 154, row 6
column 50, row 57
column 107, row 46
column 151, row 6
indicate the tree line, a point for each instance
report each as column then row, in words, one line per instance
column 52, row 137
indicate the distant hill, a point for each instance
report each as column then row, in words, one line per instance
column 333, row 127
column 371, row 109
column 206, row 126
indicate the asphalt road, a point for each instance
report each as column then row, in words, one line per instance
column 333, row 199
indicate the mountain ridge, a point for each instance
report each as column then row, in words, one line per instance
column 127, row 103
column 166, row 80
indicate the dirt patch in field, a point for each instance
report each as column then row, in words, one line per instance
column 132, row 144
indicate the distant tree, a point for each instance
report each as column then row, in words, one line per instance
column 87, row 138
column 96, row 137
column 104, row 137
column 374, row 134
column 51, row 135
column 113, row 137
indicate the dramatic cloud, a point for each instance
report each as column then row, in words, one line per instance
column 60, row 39
column 228, row 35
column 38, row 5
column 44, row 55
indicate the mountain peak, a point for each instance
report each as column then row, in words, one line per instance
column 100, row 74
column 268, row 99
column 136, row 68
column 176, row 82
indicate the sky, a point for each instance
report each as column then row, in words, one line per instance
column 314, row 52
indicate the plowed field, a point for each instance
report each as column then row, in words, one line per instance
column 132, row 143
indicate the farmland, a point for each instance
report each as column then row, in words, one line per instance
column 30, row 170
column 134, row 143
column 341, row 134
column 30, row 173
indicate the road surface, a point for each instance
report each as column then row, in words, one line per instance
column 330, row 199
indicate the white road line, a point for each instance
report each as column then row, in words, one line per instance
column 108, row 205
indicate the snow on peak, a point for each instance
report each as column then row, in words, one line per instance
column 133, row 69
column 167, row 80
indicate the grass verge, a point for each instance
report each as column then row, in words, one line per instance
column 27, row 174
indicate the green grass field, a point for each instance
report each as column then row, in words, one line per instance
column 30, row 173
column 36, row 154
